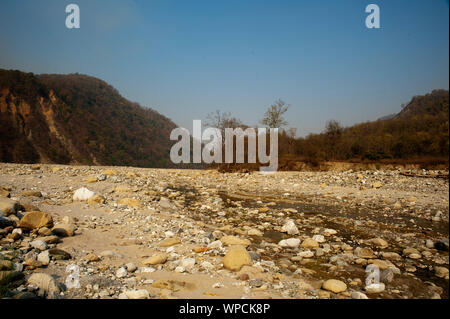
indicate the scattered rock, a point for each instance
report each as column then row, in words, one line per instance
column 233, row 240
column 46, row 284
column 8, row 206
column 236, row 257
column 121, row 272
column 82, row 194
column 363, row 253
column 155, row 259
column 309, row 243
column 170, row 242
column 290, row 228
column 136, row 294
column 59, row 254
column 290, row 243
column 441, row 272
column 375, row 288
column 334, row 285
column 64, row 230
column 379, row 242
column 39, row 244
column 34, row 220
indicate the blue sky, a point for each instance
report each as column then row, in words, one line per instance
column 188, row 58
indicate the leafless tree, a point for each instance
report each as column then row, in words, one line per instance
column 273, row 118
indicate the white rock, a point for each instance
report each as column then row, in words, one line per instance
column 306, row 254
column 218, row 285
column 131, row 267
column 359, row 295
column 17, row 231
column 329, row 232
column 291, row 243
column 137, row 294
column 375, row 288
column 187, row 263
column 147, row 269
column 180, row 269
column 215, row 244
column 170, row 249
column 83, row 194
column 39, row 244
column 207, row 265
column 169, row 234
column 319, row 238
column 290, row 227
column 121, row 272
column 44, row 257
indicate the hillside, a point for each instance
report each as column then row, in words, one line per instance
column 77, row 119
column 420, row 131
column 434, row 104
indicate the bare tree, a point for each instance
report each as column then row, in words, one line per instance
column 222, row 120
column 273, row 118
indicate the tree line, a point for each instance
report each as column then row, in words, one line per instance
column 419, row 131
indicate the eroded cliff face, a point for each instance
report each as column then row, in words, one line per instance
column 32, row 132
column 77, row 119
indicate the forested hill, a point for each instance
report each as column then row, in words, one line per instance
column 77, row 119
column 419, row 131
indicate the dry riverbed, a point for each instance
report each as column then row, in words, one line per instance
column 156, row 233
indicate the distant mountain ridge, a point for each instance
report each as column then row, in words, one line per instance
column 77, row 119
column 434, row 103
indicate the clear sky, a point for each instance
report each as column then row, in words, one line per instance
column 187, row 58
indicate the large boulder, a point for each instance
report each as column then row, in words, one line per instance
column 236, row 258
column 47, row 284
column 334, row 285
column 33, row 220
column 290, row 227
column 5, row 222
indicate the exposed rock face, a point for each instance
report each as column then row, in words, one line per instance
column 51, row 119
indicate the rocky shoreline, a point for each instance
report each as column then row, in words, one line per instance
column 155, row 233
